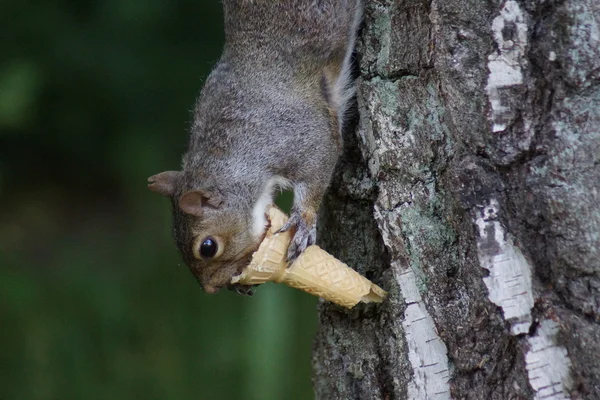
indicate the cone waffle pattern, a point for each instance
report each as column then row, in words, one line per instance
column 320, row 274
column 315, row 271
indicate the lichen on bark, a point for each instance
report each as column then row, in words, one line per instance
column 430, row 152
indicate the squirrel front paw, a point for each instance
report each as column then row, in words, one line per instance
column 305, row 234
column 243, row 290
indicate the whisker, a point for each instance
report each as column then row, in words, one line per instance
column 235, row 257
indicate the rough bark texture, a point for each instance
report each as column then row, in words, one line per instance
column 470, row 189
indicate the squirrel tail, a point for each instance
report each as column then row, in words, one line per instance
column 316, row 35
column 322, row 29
column 344, row 84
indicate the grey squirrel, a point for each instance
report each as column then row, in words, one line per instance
column 269, row 116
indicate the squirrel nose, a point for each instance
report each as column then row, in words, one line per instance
column 210, row 289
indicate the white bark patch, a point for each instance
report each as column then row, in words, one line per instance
column 510, row 34
column 509, row 286
column 426, row 351
column 509, row 281
column 548, row 365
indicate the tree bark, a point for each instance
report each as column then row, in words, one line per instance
column 470, row 190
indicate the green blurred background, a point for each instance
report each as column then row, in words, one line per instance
column 94, row 300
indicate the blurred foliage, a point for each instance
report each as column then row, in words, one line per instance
column 94, row 300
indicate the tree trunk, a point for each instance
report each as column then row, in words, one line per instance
column 470, row 190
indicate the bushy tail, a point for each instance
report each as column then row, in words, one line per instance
column 345, row 86
column 315, row 35
column 317, row 28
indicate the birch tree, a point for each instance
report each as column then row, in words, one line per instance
column 469, row 188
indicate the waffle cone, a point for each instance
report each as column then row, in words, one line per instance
column 315, row 271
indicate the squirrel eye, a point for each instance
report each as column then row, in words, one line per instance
column 208, row 248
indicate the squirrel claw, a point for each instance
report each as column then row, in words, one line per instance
column 304, row 236
column 291, row 222
column 243, row 290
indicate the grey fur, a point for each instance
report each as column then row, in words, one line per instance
column 273, row 106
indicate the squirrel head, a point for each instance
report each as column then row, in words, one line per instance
column 215, row 241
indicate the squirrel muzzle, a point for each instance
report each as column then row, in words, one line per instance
column 219, row 275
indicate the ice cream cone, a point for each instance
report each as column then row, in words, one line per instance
column 315, row 271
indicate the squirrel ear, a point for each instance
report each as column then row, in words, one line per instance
column 164, row 183
column 195, row 201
